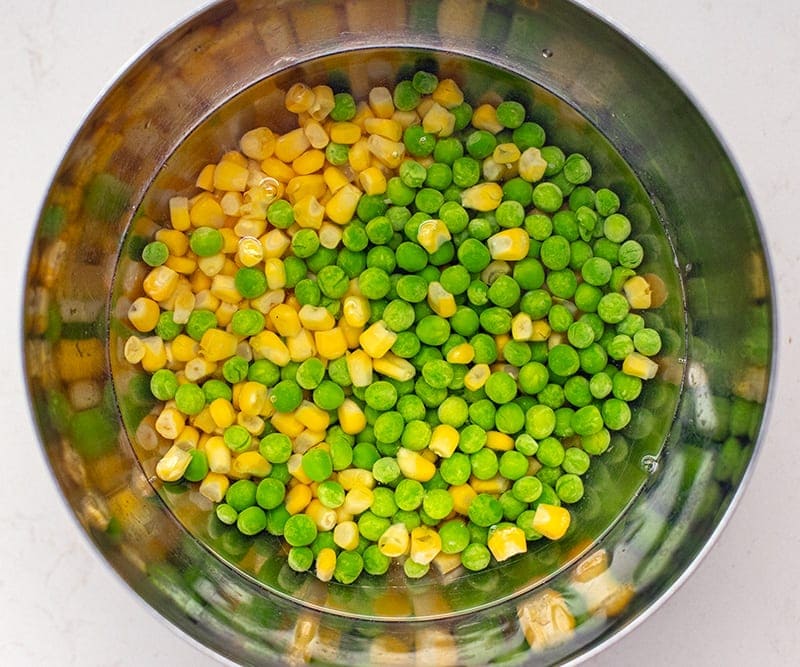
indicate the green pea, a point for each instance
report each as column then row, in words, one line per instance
column 418, row 142
column 349, row 565
column 496, row 320
column 247, row 322
column 270, row 493
column 528, row 135
column 476, row 557
column 607, row 202
column 485, row 510
column 509, row 418
column 630, row 254
column 456, row 469
column 513, row 465
column 226, row 514
column 569, row 488
column 480, row 144
column 576, row 461
column 206, row 241
column 337, row 154
column 454, row 535
column 596, row 271
column 563, row 360
column 453, row 411
column 473, row 437
column 237, row 438
column 381, row 395
column 164, row 384
column 527, row 489
column 473, row 255
column 501, row 388
column 300, row 559
column 576, row 391
column 189, row 398
column 437, row 503
column 299, row 530
column 275, row 448
column 616, row 414
column 547, row 197
column 504, row 291
column 540, row 420
column 562, row 283
column 596, row 443
column 199, row 322
column 241, row 494
column 198, row 466
column 555, row 252
column 510, row 114
column 647, row 341
column 587, row 420
column 344, row 107
column 550, row 453
column 250, row 282
column 484, row 464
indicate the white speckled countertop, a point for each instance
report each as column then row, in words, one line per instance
column 63, row 606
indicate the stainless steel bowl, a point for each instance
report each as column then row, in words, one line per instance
column 662, row 492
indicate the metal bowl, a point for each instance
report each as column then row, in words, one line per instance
column 657, row 499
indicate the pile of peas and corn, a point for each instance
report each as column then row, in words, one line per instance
column 400, row 331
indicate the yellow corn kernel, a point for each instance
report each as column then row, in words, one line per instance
column 252, row 398
column 444, row 440
column 316, row 134
column 198, row 369
column 506, row 154
column 323, row 102
column 316, row 318
column 439, row 121
column 440, row 300
column 476, row 376
column 359, row 155
column 326, row 564
column 323, row 517
column 521, row 327
column 351, row 418
column 179, row 213
column 217, row 345
column 381, row 102
column 277, row 169
column 363, row 111
column 307, row 439
column 298, row 98
column 308, row 162
column 312, row 416
column 170, row 423
column 341, row 207
column 330, row 235
column 230, row 176
column 133, row 350
column 188, row 438
column 199, row 281
column 531, row 165
column 184, row 348
column 357, row 500
column 355, row 309
column 495, row 486
column 222, row 412
column 425, row 545
column 499, row 442
column 639, row 366
column 432, row 235
column 253, row 424
column 224, row 288
column 334, row 178
column 351, row 334
column 203, row 422
column 291, row 145
column 391, row 153
column 485, row 118
column 448, row 94
column 218, row 455
column 301, row 346
column 285, row 320
column 143, row 314
column 445, row 563
column 551, row 521
column 541, row 331
column 359, row 365
column 384, row 127
column 510, row 244
column 275, row 272
column 462, row 495
column 155, row 354
column 250, row 464
column 545, row 620
column 309, row 212
column 351, row 478
column 506, row 541
column 406, row 118
column 637, row 292
column 258, row 143
column 249, row 251
column 205, row 179
column 176, row 241
column 345, row 535
column 287, row 424
column 394, row 367
column 377, row 340
column 330, row 344
column 214, row 487
column 212, row 265
column 461, row 354
column 345, row 132
column 395, row 541
column 297, row 498
column 160, row 283
column 414, row 466
column 482, row 197
column 373, row 181
column 206, row 212
column 274, row 243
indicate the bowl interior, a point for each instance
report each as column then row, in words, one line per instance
column 662, row 491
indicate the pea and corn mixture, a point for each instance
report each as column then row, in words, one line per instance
column 400, row 331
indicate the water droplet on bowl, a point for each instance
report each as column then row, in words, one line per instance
column 547, row 53
column 649, row 463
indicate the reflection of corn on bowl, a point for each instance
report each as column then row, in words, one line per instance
column 652, row 500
